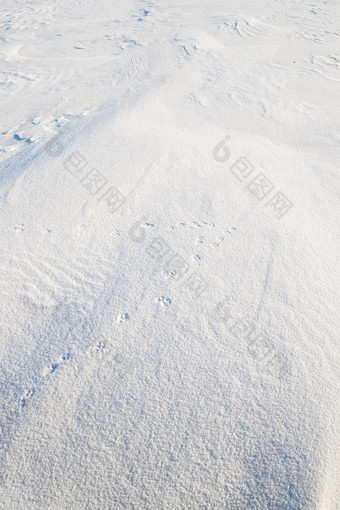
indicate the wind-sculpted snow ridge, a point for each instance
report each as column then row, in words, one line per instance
column 169, row 205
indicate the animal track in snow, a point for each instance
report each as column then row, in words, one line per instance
column 123, row 317
column 101, row 348
column 22, row 138
column 26, row 397
column 19, row 227
column 52, row 367
column 192, row 224
column 164, row 301
column 204, row 239
column 215, row 242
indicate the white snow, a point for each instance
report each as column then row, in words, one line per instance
column 169, row 202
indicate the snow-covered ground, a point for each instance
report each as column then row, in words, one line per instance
column 169, row 203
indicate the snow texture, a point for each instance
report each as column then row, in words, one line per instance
column 169, row 270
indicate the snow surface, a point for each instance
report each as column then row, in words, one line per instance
column 169, row 322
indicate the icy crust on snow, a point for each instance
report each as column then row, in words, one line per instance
column 169, row 336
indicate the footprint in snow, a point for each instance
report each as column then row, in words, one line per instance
column 52, row 367
column 25, row 398
column 101, row 348
column 20, row 138
column 123, row 317
column 19, row 227
column 164, row 301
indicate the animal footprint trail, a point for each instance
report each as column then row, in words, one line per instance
column 164, row 301
column 26, row 397
column 123, row 317
column 52, row 367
